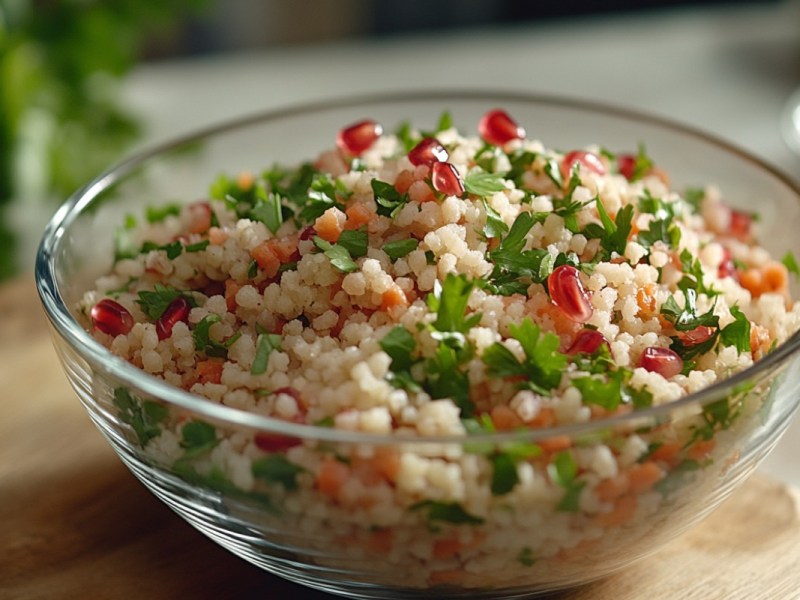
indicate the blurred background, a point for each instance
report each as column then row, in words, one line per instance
column 84, row 82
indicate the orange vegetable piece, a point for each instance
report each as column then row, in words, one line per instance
column 328, row 226
column 266, row 258
column 231, row 289
column 623, row 511
column 644, row 476
column 446, row 548
column 380, row 541
column 358, row 215
column 209, row 370
column 505, row 419
column 394, row 296
column 331, row 477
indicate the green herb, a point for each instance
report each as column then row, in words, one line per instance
column 197, row 246
column 660, row 230
column 252, row 269
column 144, row 416
column 495, row 226
column 399, row 344
column 677, row 477
column 445, row 121
column 155, row 302
column 400, row 248
column 693, row 275
column 405, row 135
column 657, row 207
column 543, row 364
column 276, row 468
column 338, row 255
column 504, row 474
column 737, row 333
column 172, row 249
column 266, row 343
column 156, row 214
column 267, row 209
column 355, row 241
column 483, row 184
column 790, row 262
column 449, row 302
column 642, row 163
column 388, row 199
column 198, row 437
column 203, row 341
column 610, row 388
column 686, row 318
column 446, row 380
column 563, row 471
column 216, row 480
column 520, row 161
column 323, row 194
column 693, row 197
column 525, row 557
column 613, row 236
column 446, row 512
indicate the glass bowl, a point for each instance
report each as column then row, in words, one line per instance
column 375, row 540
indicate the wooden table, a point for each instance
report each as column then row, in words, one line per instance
column 74, row 523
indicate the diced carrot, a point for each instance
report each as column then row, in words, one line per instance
column 644, row 476
column 612, row 488
column 209, row 370
column 556, row 443
column 245, row 180
column 358, row 215
column 445, row 549
column 752, row 280
column 266, row 258
column 393, row 297
column 387, row 462
column 701, row 449
column 380, row 541
column 775, row 276
column 667, row 452
column 505, row 419
column 760, row 340
column 284, row 248
column 329, row 225
column 404, row 180
column 623, row 511
column 199, row 217
column 231, row 289
column 331, row 477
column 217, row 236
column 546, row 417
column 646, row 300
column 420, row 191
column 446, row 577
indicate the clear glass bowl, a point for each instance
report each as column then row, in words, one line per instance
column 388, row 546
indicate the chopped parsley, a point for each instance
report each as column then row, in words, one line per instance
column 387, row 198
column 155, row 302
column 276, row 468
column 144, row 416
column 157, row 214
column 543, row 364
column 495, row 226
column 563, row 471
column 338, row 255
column 197, row 246
column 525, row 557
column 484, row 184
column 737, row 333
column 790, row 262
column 198, row 437
column 642, row 163
column 685, row 318
column 446, row 512
column 203, row 342
column 265, row 344
column 267, row 209
column 400, row 248
column 172, row 249
column 613, row 235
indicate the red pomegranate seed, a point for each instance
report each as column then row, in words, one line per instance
column 588, row 341
column 497, row 127
column 663, row 361
column 277, row 442
column 626, row 163
column 567, row 293
column 727, row 268
column 199, row 217
column 445, row 179
column 178, row 310
column 587, row 160
column 356, row 138
column 696, row 336
column 111, row 317
column 741, row 223
column 427, row 152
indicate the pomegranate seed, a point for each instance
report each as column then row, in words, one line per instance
column 741, row 223
column 497, row 127
column 626, row 163
column 178, row 310
column 567, row 293
column 445, row 179
column 587, row 160
column 727, row 268
column 663, row 361
column 427, row 152
column 277, row 442
column 588, row 341
column 356, row 138
column 696, row 336
column 111, row 317
column 199, row 217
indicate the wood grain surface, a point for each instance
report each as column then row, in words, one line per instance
column 74, row 523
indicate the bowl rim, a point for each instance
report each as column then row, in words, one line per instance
column 66, row 326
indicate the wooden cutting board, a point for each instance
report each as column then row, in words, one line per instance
column 74, row 523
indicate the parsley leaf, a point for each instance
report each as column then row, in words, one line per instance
column 686, row 318
column 495, row 226
column 563, row 471
column 483, row 184
column 660, row 230
column 266, row 343
column 388, row 199
column 156, row 214
column 399, row 344
column 737, row 333
column 267, row 209
column 144, row 416
column 355, row 241
column 323, row 194
column 642, row 163
column 198, row 437
column 155, row 302
column 450, row 304
column 446, row 512
column 613, row 235
column 276, row 468
column 338, row 255
column 400, row 248
column 693, row 275
column 790, row 262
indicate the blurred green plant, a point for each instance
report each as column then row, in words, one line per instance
column 61, row 120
